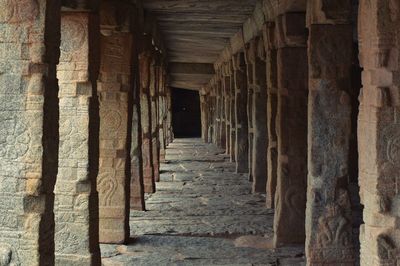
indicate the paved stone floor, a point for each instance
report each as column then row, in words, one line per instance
column 203, row 213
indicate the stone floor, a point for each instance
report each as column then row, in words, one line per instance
column 203, row 213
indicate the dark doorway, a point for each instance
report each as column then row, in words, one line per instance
column 186, row 114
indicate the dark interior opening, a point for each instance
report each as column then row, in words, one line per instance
column 186, row 114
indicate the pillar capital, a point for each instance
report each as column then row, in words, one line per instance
column 290, row 30
column 329, row 12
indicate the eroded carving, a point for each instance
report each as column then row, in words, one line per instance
column 14, row 139
column 73, row 35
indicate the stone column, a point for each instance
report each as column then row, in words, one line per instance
column 162, row 113
column 226, row 85
column 211, row 120
column 76, row 206
column 145, row 107
column 222, row 132
column 259, row 116
column 204, row 116
column 137, row 201
column 154, row 117
column 232, row 114
column 378, row 131
column 29, row 49
column 169, row 116
column 240, row 88
column 249, row 70
column 218, row 120
column 290, row 199
column 272, row 105
column 113, row 179
column 329, row 128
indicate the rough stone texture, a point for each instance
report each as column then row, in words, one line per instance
column 328, row 222
column 378, row 131
column 290, row 199
column 201, row 206
column 145, row 107
column 136, row 166
column 272, row 108
column 112, row 181
column 249, row 55
column 154, row 68
column 241, row 142
column 76, row 206
column 259, row 115
column 226, row 90
column 28, row 131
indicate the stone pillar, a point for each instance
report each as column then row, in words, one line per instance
column 113, row 179
column 154, row 117
column 137, row 201
column 329, row 226
column 145, row 107
column 272, row 105
column 226, row 86
column 232, row 114
column 29, row 49
column 218, row 120
column 240, row 88
column 259, row 116
column 290, row 199
column 249, row 70
column 169, row 116
column 76, row 204
column 211, row 119
column 162, row 114
column 378, row 131
column 204, row 116
column 221, row 111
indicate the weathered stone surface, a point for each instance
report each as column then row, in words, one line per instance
column 145, row 107
column 259, row 117
column 154, row 68
column 76, row 207
column 241, row 142
column 290, row 197
column 272, row 106
column 329, row 118
column 113, row 180
column 378, row 131
column 29, row 49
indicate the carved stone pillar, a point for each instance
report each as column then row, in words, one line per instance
column 29, row 49
column 378, row 131
column 218, row 120
column 204, row 116
column 145, row 107
column 169, row 116
column 259, row 115
column 76, row 204
column 162, row 113
column 329, row 128
column 240, row 88
column 249, row 70
column 226, row 87
column 222, row 132
column 272, row 106
column 232, row 116
column 212, row 119
column 154, row 69
column 113, row 91
column 290, row 199
column 137, row 201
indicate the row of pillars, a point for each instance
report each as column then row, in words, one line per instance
column 85, row 117
column 281, row 107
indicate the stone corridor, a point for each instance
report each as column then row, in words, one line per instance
column 203, row 213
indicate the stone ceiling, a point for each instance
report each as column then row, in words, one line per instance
column 195, row 32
